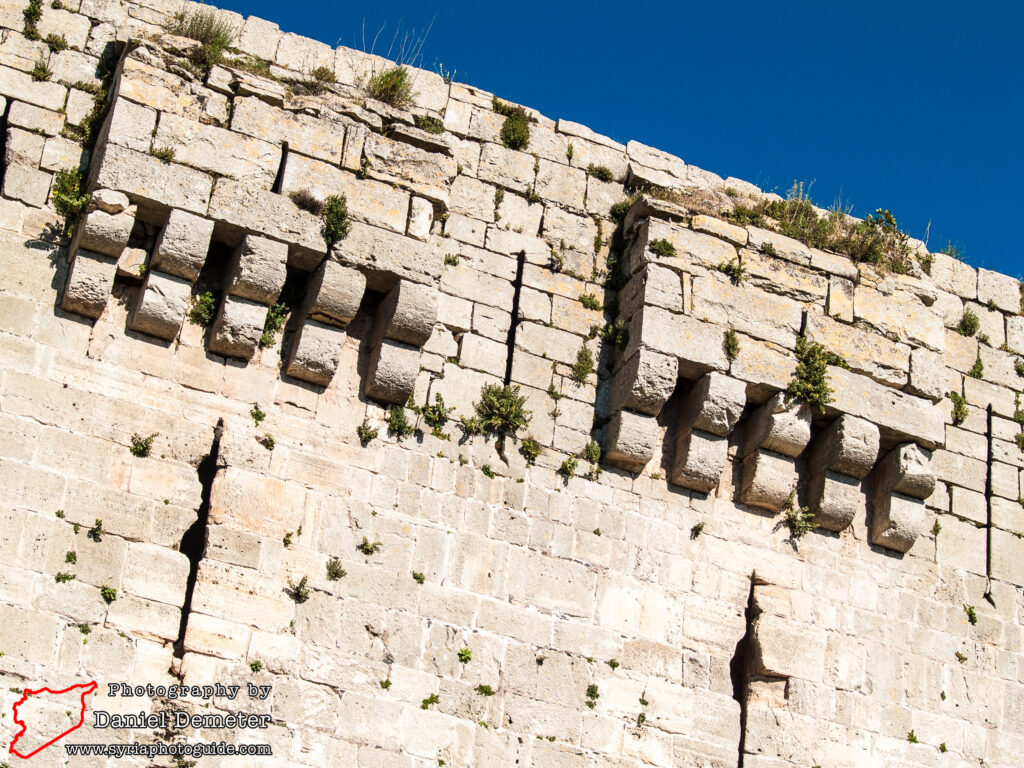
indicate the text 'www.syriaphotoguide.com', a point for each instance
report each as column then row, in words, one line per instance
column 173, row 750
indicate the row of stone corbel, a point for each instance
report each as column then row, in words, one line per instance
column 254, row 279
column 839, row 458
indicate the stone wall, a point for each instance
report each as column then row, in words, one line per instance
column 663, row 574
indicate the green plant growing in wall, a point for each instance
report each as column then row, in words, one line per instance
column 418, row 577
column 70, row 557
column 485, row 690
column 465, row 655
column 298, row 592
column 530, row 449
column 256, row 666
column 977, row 370
column 799, row 520
column 63, row 577
column 398, row 422
column 41, row 72
column 568, row 467
column 141, row 446
column 56, row 42
column 68, row 198
column 273, row 324
column 487, row 471
column 334, row 220
column 731, row 345
column 32, row 14
column 592, row 452
column 365, row 432
column 810, row 381
column 912, row 738
column 590, row 301
column 959, row 413
column 267, row 441
column 214, row 33
column 435, row 416
column 501, row 410
column 257, row 414
column 600, row 172
column 108, row 593
column 428, row 702
column 393, row 86
column 385, row 684
column 593, row 694
column 204, row 308
column 367, row 548
column 163, row 154
column 429, row 124
column 972, row 615
column 969, row 324
column 663, row 248
column 696, row 530
column 734, row 270
column 583, row 367
column 335, row 571
column 515, row 131
column 96, row 533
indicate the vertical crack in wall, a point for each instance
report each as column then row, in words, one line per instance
column 279, row 179
column 193, row 542
column 514, row 322
column 739, row 667
column 988, row 504
column 3, row 139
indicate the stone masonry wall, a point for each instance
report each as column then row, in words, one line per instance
column 648, row 609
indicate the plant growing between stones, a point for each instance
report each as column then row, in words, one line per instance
column 613, row 663
column 257, row 414
column 810, row 381
column 334, row 220
column 451, row 259
column 696, row 530
column 600, row 172
column 141, row 446
column 515, row 131
column 67, row 196
column 959, row 413
column 393, row 86
column 435, row 416
column 465, row 655
column 960, row 657
column 663, row 248
column 273, row 324
column 969, row 324
column 942, row 747
column 500, row 411
column 108, row 593
column 63, row 577
column 972, row 615
column 937, row 528
column 977, row 370
column 799, row 520
column 214, row 33
column 428, row 702
column 256, row 665
column 335, row 570
column 41, row 72
column 530, row 449
column 912, row 738
column 365, row 432
column 731, row 345
column 368, row 548
column 593, row 694
column 429, row 123
column 584, row 365
column 568, row 467
column 32, row 14
column 488, row 472
column 734, row 270
column 590, row 301
column 298, row 592
column 385, row 684
column 485, row 690
column 204, row 308
column 70, row 557
column 398, row 422
column 418, row 577
column 267, row 441
column 163, row 154
column 592, row 452
column 307, row 201
column 56, row 42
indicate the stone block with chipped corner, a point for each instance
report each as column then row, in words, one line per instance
column 391, row 373
column 88, row 284
column 631, row 440
column 237, row 329
column 644, row 382
column 162, row 305
column 779, row 427
column 700, row 460
column 408, row 313
column 182, row 244
column 333, row 293
column 315, row 352
column 768, row 479
column 257, row 269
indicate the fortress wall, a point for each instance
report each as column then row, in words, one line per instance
column 664, row 575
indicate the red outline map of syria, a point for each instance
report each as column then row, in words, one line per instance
column 86, row 689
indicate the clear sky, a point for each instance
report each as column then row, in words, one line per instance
column 917, row 107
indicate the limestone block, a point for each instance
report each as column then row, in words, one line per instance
column 630, row 440
column 147, row 178
column 655, row 285
column 315, row 352
column 840, row 299
column 505, row 167
column 899, row 313
column 182, row 245
column 721, row 229
column 257, row 269
column 88, row 285
column 866, row 352
column 60, row 153
column 700, row 460
column 276, row 216
column 768, row 479
column 108, row 200
column 927, row 375
column 714, row 404
column 105, row 233
column 784, row 247
column 408, row 313
column 779, row 427
column 906, row 470
column 848, row 445
column 131, row 261
column 391, row 374
column 833, row 498
column 317, row 137
column 895, row 412
column 45, row 94
column 131, row 125
column 566, row 186
column 697, row 345
column 690, row 248
column 34, row 119
column 425, row 172
column 785, row 648
column 334, row 293
column 896, row 521
column 162, row 305
column 746, row 309
column 259, row 38
column 656, row 159
column 1000, row 289
column 237, row 328
column 644, row 382
column 23, row 148
column 217, row 150
column 383, row 254
column 421, row 216
column 27, row 183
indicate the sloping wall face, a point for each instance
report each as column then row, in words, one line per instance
column 204, row 371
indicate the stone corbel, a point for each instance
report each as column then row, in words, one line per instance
column 403, row 323
column 706, row 418
column 776, row 434
column 840, row 458
column 903, row 480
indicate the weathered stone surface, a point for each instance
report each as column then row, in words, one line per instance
column 105, row 233
column 896, row 413
column 833, row 498
column 382, row 256
column 182, row 245
column 131, row 262
column 237, row 329
column 391, row 373
column 408, row 313
column 849, row 445
column 266, row 213
column 782, row 246
column 421, row 216
column 26, row 183
column 896, row 521
column 714, row 404
column 690, row 248
column 696, row 344
column 840, row 299
column 652, row 285
column 700, row 460
column 143, row 177
column 656, row 159
column 316, row 137
column 47, row 95
column 163, row 302
column 768, row 479
column 644, row 382
column 108, row 201
column 425, row 172
column 720, row 229
column 906, row 470
column 566, row 186
column 900, row 316
column 505, row 167
column 630, row 440
column 872, row 354
column 315, row 352
column 746, row 309
column 778, row 427
column 88, row 285
column 1001, row 290
column 333, row 293
column 927, row 376
column 257, row 269
column 218, row 150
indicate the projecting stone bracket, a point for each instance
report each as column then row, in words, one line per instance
column 840, row 457
column 707, row 417
column 777, row 433
column 404, row 322
column 903, row 479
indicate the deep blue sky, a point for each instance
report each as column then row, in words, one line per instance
column 913, row 106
